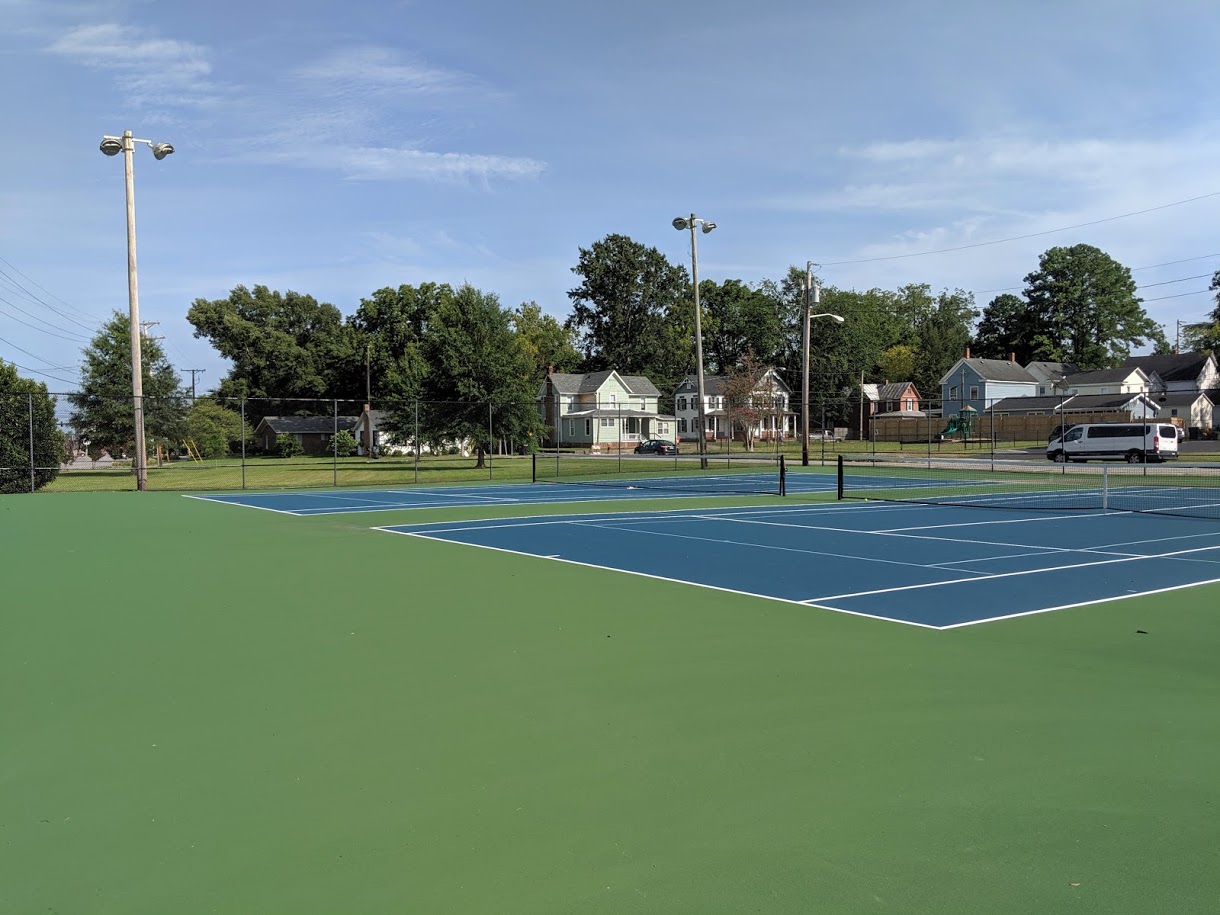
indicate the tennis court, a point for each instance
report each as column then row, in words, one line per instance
column 301, row 713
column 939, row 567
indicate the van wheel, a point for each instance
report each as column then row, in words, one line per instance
column 1134, row 457
column 1060, row 457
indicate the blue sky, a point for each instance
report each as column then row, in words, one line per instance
column 334, row 149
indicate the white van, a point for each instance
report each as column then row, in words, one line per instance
column 1130, row 442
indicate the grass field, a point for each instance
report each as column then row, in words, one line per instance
column 213, row 709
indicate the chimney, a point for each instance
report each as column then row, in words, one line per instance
column 1012, row 357
column 967, row 352
column 550, row 370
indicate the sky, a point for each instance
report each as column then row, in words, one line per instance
column 335, row 149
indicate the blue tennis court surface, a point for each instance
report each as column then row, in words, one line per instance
column 937, row 567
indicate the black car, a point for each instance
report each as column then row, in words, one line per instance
column 656, row 446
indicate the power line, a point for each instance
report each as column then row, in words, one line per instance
column 1000, row 241
column 1178, row 296
column 44, row 374
column 16, row 285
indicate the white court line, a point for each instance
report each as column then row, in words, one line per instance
column 676, row 581
column 763, row 546
column 1085, row 603
column 218, row 501
column 1081, row 565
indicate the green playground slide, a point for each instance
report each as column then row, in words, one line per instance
column 952, row 428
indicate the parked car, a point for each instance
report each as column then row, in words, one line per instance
column 656, row 446
column 1057, row 432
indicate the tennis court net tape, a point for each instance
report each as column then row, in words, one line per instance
column 711, row 474
column 1179, row 489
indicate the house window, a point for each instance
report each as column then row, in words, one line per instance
column 607, row 422
column 1173, row 412
column 909, row 404
column 953, row 393
column 974, row 392
column 681, row 403
column 681, row 425
column 588, row 427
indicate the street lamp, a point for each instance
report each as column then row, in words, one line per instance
column 112, row 146
column 680, row 223
column 812, row 291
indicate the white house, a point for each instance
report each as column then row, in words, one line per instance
column 602, row 410
column 1125, row 380
column 770, row 402
column 1049, row 375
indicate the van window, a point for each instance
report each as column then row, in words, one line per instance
column 1169, row 432
column 1074, row 434
column 1117, row 431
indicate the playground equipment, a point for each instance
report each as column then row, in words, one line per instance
column 960, row 424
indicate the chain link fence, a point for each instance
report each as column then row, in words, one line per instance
column 213, row 443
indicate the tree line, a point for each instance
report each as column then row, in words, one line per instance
column 630, row 309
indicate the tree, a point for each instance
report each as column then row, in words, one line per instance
column 943, row 335
column 27, row 409
column 214, row 428
column 633, row 311
column 747, row 404
column 1084, row 309
column 479, row 375
column 1205, row 335
column 389, row 326
column 546, row 342
column 281, row 345
column 898, row 363
column 737, row 321
column 1006, row 327
column 104, row 409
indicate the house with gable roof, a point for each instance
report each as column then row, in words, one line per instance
column 770, row 402
column 601, row 410
column 978, row 383
column 1190, row 387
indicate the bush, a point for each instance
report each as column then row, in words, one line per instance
column 344, row 443
column 287, row 446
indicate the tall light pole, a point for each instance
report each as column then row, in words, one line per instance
column 112, row 146
column 812, row 291
column 680, row 223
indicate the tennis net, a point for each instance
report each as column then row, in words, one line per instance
column 1179, row 489
column 723, row 474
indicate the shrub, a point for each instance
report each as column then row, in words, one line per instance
column 344, row 443
column 287, row 446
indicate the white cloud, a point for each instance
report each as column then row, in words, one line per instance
column 150, row 70
column 125, row 48
column 391, row 164
column 374, row 70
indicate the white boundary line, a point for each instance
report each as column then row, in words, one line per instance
column 649, row 575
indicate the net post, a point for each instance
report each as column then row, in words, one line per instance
column 783, row 476
column 534, row 468
column 1105, row 488
column 839, row 475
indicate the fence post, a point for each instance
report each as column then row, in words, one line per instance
column 334, row 445
column 243, row 441
column 490, row 442
column 30, row 402
column 416, row 441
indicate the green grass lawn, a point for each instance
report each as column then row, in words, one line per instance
column 214, row 709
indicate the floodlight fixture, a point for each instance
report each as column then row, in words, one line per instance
column 161, row 150
column 708, row 226
column 680, row 224
column 111, row 146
